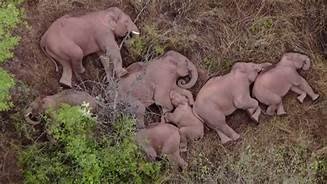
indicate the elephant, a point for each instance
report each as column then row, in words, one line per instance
column 161, row 139
column 190, row 126
column 270, row 86
column 149, row 83
column 222, row 95
column 69, row 39
column 68, row 96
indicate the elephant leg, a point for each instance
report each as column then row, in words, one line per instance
column 140, row 111
column 76, row 59
column 176, row 158
column 107, row 67
column 302, row 94
column 249, row 104
column 271, row 110
column 183, row 144
column 67, row 74
column 307, row 88
column 217, row 121
column 280, row 109
column 224, row 139
column 150, row 152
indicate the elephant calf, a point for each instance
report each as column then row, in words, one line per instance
column 69, row 39
column 222, row 95
column 272, row 85
column 69, row 96
column 190, row 126
column 161, row 139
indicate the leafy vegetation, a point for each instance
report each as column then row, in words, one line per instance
column 10, row 17
column 79, row 156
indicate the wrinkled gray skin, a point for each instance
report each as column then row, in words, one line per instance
column 152, row 82
column 222, row 95
column 69, row 96
column 69, row 39
column 190, row 126
column 270, row 86
column 161, row 139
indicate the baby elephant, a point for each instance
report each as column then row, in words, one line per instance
column 69, row 96
column 161, row 139
column 221, row 96
column 190, row 126
column 272, row 85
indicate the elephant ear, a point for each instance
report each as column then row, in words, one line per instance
column 239, row 66
column 113, row 17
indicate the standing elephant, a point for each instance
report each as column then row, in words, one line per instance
column 272, row 85
column 68, row 96
column 69, row 39
column 222, row 95
column 152, row 82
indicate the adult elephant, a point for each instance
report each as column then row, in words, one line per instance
column 69, row 39
column 148, row 83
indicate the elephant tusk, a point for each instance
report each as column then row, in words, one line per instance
column 135, row 32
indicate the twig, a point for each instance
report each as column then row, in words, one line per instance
column 137, row 17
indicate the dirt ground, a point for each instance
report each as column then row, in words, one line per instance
column 213, row 36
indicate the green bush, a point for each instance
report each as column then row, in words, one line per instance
column 82, row 156
column 6, row 83
column 10, row 17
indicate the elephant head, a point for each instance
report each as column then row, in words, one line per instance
column 184, row 67
column 121, row 23
column 33, row 111
column 251, row 70
column 297, row 60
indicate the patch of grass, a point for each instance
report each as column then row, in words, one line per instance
column 79, row 157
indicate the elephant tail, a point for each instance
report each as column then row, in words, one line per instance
column 44, row 50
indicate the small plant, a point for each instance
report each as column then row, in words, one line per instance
column 82, row 156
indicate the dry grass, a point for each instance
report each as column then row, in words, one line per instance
column 214, row 34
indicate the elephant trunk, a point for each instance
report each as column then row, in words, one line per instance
column 306, row 64
column 28, row 118
column 194, row 77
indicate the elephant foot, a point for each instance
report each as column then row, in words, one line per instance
column 256, row 115
column 301, row 97
column 281, row 113
column 65, row 84
column 183, row 149
column 315, row 97
column 121, row 72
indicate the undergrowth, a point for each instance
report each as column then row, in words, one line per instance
column 80, row 156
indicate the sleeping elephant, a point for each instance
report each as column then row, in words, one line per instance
column 69, row 96
column 272, row 85
column 183, row 117
column 161, row 139
column 222, row 95
column 148, row 83
column 69, row 39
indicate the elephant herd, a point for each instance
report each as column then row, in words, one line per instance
column 161, row 82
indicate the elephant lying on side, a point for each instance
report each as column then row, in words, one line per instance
column 152, row 82
column 190, row 126
column 222, row 95
column 69, row 96
column 272, row 85
column 69, row 39
column 161, row 139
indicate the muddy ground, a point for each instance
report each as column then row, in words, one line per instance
column 212, row 34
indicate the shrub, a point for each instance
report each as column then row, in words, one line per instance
column 82, row 156
column 6, row 83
